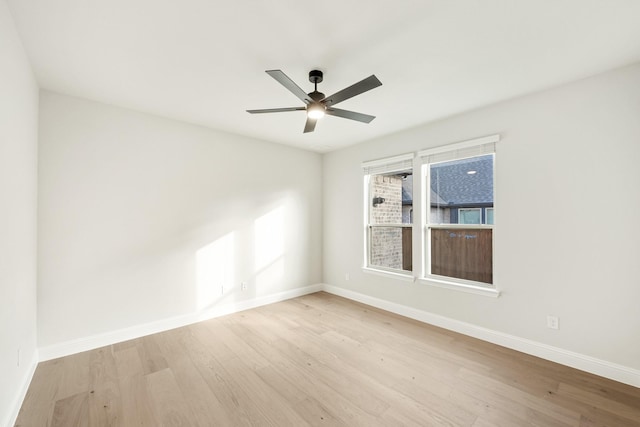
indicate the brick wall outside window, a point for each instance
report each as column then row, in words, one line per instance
column 386, row 243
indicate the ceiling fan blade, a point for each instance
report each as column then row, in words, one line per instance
column 310, row 125
column 362, row 86
column 346, row 114
column 285, row 81
column 276, row 110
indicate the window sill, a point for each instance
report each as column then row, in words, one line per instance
column 391, row 274
column 460, row 287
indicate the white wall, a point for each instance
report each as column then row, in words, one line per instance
column 18, row 197
column 567, row 215
column 142, row 219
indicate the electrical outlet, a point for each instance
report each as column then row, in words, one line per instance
column 552, row 322
column 347, row 277
column 243, row 286
column 19, row 351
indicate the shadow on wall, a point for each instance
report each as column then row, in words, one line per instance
column 217, row 278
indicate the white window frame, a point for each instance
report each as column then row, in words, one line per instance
column 457, row 151
column 399, row 163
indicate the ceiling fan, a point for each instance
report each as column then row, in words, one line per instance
column 316, row 104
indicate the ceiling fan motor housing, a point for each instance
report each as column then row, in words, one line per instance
column 315, row 76
column 316, row 96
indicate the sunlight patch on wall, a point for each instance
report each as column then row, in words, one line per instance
column 269, row 238
column 269, row 241
column 215, row 267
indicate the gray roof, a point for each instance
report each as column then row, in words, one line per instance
column 452, row 184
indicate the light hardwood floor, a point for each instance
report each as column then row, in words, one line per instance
column 318, row 360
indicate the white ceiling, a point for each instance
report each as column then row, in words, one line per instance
column 203, row 61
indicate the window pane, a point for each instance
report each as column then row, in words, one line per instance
column 469, row 216
column 391, row 247
column 489, row 216
column 391, row 198
column 459, row 186
column 462, row 253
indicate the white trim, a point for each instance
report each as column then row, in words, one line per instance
column 387, row 160
column 108, row 338
column 443, row 226
column 392, row 274
column 460, row 145
column 388, row 165
column 366, row 193
column 22, row 392
column 585, row 363
column 462, row 287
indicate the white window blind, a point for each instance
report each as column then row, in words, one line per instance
column 390, row 164
column 460, row 150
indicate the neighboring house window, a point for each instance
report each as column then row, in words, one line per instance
column 489, row 216
column 458, row 192
column 470, row 216
column 389, row 214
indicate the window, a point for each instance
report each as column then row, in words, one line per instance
column 458, row 195
column 489, row 215
column 470, row 216
column 389, row 214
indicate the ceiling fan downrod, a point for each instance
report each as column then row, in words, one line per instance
column 315, row 77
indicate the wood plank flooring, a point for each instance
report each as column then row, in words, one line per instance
column 318, row 360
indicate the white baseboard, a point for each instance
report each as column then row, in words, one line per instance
column 589, row 364
column 108, row 338
column 21, row 392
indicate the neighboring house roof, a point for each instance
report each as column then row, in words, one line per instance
column 451, row 185
column 437, row 200
column 407, row 195
column 455, row 187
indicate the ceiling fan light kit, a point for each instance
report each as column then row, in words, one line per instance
column 316, row 104
column 315, row 110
